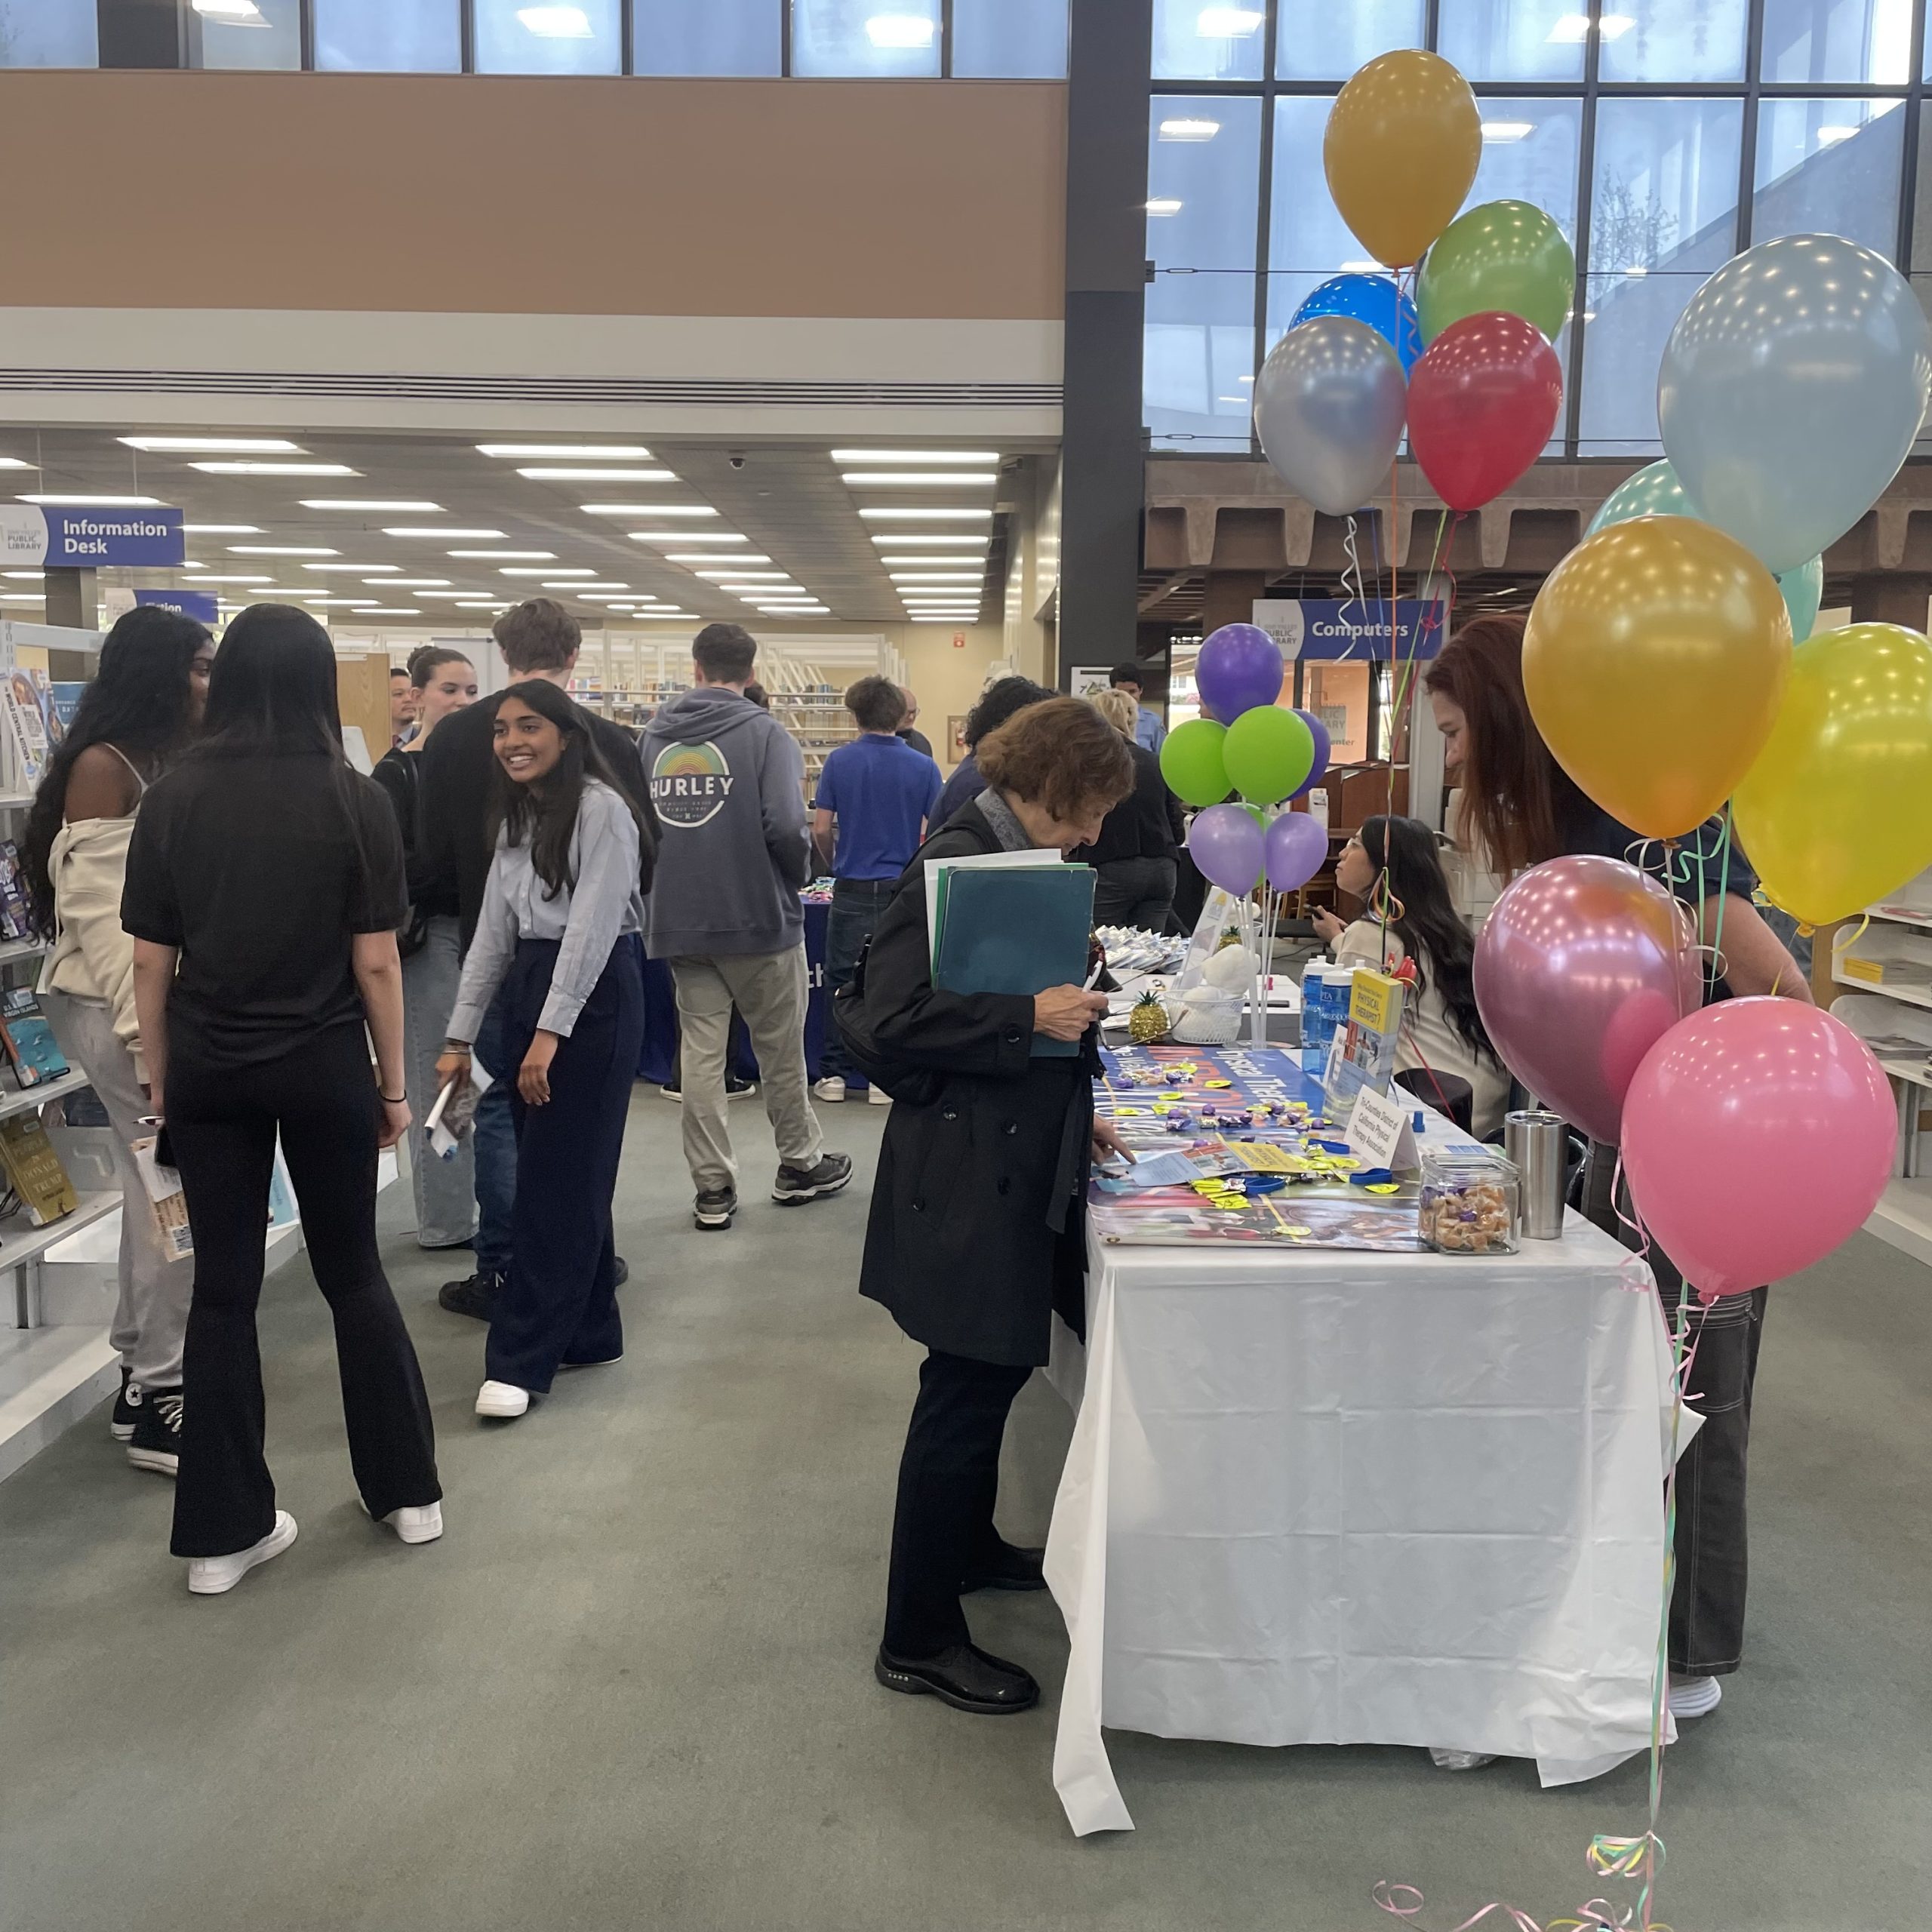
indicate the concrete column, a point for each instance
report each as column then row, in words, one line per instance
column 70, row 598
column 1109, row 63
column 1891, row 597
column 1229, row 598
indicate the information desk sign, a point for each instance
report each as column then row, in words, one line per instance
column 81, row 538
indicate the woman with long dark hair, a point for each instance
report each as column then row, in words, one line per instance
column 145, row 702
column 558, row 934
column 444, row 681
column 1442, row 1033
column 264, row 884
column 1518, row 808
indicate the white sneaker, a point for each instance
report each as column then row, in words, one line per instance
column 504, row 1399
column 417, row 1524
column 832, row 1090
column 209, row 1576
column 1460, row 1760
column 1694, row 1696
column 877, row 1096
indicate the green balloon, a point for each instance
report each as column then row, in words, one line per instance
column 1190, row 762
column 1268, row 751
column 1655, row 491
column 1507, row 255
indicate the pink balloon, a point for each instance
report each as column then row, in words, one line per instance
column 1757, row 1136
column 1581, row 967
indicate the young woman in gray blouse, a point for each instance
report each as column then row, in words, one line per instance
column 559, row 933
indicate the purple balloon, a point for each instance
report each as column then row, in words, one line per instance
column 1584, row 964
column 1239, row 667
column 1226, row 844
column 1324, row 750
column 1295, row 849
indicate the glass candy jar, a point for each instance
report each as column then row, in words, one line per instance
column 1471, row 1201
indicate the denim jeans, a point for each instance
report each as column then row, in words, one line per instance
column 493, row 1135
column 857, row 904
column 1707, row 1605
column 1134, row 892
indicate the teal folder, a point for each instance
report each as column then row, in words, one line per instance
column 1018, row 930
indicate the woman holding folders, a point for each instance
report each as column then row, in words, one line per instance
column 977, row 1229
column 139, row 714
column 561, row 914
column 264, row 885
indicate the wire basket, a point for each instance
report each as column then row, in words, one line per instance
column 1208, row 1019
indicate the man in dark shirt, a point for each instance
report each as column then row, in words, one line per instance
column 916, row 739
column 539, row 639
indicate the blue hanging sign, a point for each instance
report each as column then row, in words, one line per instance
column 1322, row 629
column 81, row 538
column 199, row 604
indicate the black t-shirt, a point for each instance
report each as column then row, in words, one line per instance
column 1146, row 824
column 1695, row 868
column 261, row 871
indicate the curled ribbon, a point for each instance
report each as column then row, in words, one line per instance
column 1353, row 592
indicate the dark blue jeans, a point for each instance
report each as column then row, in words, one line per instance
column 857, row 905
column 560, row 1302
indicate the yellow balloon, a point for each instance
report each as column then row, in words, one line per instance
column 1655, row 657
column 1404, row 140
column 1835, row 814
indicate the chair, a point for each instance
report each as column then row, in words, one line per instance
column 1448, row 1093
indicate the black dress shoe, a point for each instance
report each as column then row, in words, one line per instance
column 964, row 1677
column 1011, row 1568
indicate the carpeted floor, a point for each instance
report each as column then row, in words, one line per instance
column 631, row 1687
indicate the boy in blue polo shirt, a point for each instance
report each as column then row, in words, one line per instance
column 879, row 792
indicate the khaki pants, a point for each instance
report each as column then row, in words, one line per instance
column 769, row 989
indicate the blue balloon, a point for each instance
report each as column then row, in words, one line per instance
column 1373, row 299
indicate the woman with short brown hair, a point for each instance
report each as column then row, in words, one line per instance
column 977, row 1233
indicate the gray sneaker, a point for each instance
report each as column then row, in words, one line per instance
column 713, row 1208
column 796, row 1184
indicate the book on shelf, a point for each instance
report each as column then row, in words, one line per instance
column 25, row 697
column 31, row 1049
column 16, row 916
column 34, row 1170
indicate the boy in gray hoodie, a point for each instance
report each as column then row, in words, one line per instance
column 728, row 782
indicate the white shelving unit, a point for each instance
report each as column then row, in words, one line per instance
column 1886, row 970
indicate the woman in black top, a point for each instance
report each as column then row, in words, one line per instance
column 1137, row 856
column 977, row 1231
column 1519, row 807
column 264, row 884
column 444, row 681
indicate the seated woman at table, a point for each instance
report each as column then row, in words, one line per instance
column 977, row 1233
column 1442, row 1033
column 1518, row 808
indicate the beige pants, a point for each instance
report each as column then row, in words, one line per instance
column 769, row 989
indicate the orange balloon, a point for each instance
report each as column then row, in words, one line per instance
column 1654, row 662
column 1404, row 137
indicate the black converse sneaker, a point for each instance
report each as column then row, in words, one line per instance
column 476, row 1295
column 157, row 1441
column 127, row 1408
column 827, row 1176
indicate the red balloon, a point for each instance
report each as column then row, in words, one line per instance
column 1482, row 402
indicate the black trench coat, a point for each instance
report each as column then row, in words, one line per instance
column 978, row 1226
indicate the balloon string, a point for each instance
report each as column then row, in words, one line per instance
column 1352, row 579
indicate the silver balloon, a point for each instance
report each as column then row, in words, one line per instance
column 1791, row 391
column 1328, row 410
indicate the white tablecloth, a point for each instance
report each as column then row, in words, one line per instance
column 1321, row 1497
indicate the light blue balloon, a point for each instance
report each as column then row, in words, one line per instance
column 1791, row 391
column 1655, row 491
column 1373, row 299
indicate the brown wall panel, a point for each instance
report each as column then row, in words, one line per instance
column 456, row 193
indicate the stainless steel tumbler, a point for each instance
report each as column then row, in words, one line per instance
column 1538, row 1143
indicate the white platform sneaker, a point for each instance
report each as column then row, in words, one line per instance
column 503, row 1400
column 209, row 1576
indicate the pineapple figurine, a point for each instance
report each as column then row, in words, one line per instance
column 1148, row 1021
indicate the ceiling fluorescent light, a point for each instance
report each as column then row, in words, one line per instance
column 217, row 577
column 885, row 537
column 912, row 32
column 221, row 530
column 663, row 537
column 554, row 23
column 1164, row 204
column 926, row 515
column 248, row 467
column 970, row 457
column 1496, row 132
column 1571, row 30
column 712, row 557
column 423, row 529
column 84, row 500
column 569, row 583
column 15, row 463
column 353, row 567
column 1187, row 128
column 918, row 479
column 543, row 474
column 508, row 556
column 231, row 13
column 1829, row 137
column 392, row 611
column 542, row 452
column 938, row 576
column 647, row 510
column 966, row 618
column 1228, row 22
column 216, row 445
column 401, row 506
column 1614, row 26
column 894, row 558
column 736, row 575
column 420, row 582
column 36, row 575
column 279, row 550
